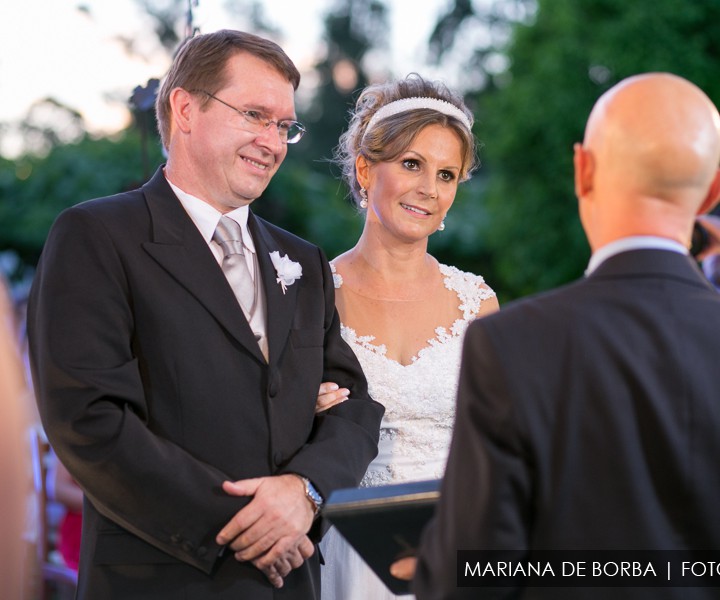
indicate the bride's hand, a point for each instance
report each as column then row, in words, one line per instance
column 329, row 395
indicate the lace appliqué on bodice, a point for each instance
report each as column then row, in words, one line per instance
column 419, row 398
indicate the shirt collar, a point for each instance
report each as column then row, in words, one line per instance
column 206, row 218
column 636, row 242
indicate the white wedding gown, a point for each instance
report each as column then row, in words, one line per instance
column 419, row 401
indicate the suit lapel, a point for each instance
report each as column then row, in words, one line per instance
column 177, row 246
column 280, row 306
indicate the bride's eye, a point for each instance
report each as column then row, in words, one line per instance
column 411, row 164
column 447, row 175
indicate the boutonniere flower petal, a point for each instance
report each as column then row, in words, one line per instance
column 287, row 270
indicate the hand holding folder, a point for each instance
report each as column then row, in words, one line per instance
column 383, row 524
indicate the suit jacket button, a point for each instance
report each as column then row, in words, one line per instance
column 187, row 546
column 202, row 551
column 175, row 539
column 274, row 385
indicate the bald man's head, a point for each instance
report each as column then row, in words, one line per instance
column 649, row 160
column 657, row 135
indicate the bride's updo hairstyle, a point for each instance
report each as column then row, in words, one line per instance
column 385, row 138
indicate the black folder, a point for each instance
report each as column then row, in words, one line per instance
column 384, row 523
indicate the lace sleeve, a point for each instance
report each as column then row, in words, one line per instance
column 337, row 278
column 470, row 288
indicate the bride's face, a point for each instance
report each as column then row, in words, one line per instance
column 410, row 195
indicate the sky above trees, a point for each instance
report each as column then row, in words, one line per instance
column 94, row 52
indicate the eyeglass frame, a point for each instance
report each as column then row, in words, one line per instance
column 252, row 118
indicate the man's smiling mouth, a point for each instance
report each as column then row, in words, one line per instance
column 255, row 163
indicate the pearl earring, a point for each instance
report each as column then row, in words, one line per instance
column 363, row 198
column 441, row 227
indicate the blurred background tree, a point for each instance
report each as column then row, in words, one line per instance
column 530, row 70
column 306, row 196
column 559, row 64
column 33, row 189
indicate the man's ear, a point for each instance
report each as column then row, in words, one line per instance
column 362, row 171
column 713, row 195
column 181, row 106
column 584, row 170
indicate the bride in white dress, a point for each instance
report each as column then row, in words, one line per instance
column 408, row 146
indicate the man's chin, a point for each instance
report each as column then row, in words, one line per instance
column 247, row 193
column 246, row 198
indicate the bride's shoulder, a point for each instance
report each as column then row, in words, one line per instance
column 337, row 266
column 456, row 276
column 466, row 284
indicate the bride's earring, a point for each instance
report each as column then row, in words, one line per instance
column 363, row 198
column 441, row 227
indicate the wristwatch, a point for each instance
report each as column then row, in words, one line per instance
column 313, row 495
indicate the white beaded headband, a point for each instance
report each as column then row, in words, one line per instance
column 407, row 104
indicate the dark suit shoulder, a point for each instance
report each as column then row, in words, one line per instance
column 123, row 215
column 119, row 201
column 540, row 306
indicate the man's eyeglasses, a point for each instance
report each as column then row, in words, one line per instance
column 290, row 132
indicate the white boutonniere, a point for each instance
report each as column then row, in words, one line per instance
column 287, row 270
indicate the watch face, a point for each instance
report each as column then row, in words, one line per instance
column 313, row 493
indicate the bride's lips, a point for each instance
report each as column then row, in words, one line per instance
column 415, row 209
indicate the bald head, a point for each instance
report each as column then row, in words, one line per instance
column 652, row 146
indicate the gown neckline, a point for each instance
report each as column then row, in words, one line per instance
column 442, row 334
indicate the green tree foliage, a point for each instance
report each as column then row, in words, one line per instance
column 33, row 190
column 560, row 64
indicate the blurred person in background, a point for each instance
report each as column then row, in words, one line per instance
column 706, row 246
column 14, row 459
column 64, row 490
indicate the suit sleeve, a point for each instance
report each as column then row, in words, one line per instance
column 484, row 495
column 94, row 407
column 344, row 438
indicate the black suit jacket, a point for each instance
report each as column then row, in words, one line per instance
column 588, row 419
column 153, row 391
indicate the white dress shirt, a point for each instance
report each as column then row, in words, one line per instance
column 206, row 219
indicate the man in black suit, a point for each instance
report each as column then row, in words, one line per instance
column 186, row 414
column 588, row 417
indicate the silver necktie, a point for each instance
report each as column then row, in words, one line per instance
column 229, row 235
